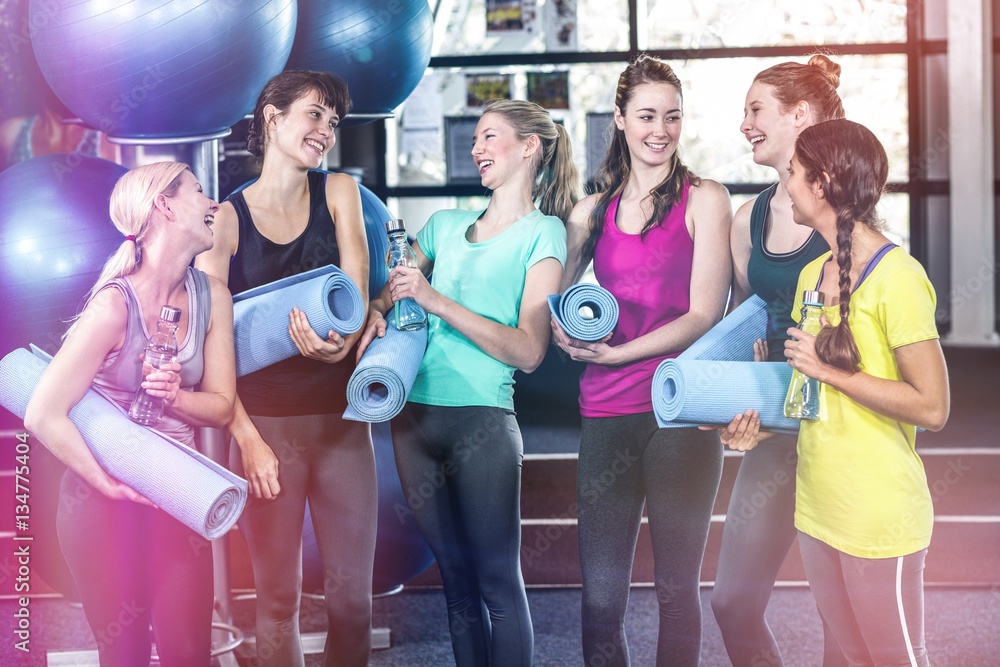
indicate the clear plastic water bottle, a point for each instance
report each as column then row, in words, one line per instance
column 161, row 348
column 406, row 314
column 802, row 400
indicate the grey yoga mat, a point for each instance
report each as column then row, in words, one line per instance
column 185, row 484
column 383, row 378
column 327, row 296
column 602, row 305
column 717, row 392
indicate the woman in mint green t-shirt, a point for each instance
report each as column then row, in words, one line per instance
column 458, row 446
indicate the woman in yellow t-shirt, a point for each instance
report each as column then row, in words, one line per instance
column 863, row 509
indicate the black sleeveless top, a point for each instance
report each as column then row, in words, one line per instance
column 773, row 277
column 296, row 386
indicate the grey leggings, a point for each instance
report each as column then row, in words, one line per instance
column 758, row 533
column 330, row 462
column 461, row 472
column 626, row 462
column 875, row 607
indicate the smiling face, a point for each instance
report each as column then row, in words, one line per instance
column 808, row 202
column 498, row 152
column 193, row 210
column 651, row 123
column 769, row 127
column 305, row 130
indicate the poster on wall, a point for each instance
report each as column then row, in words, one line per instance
column 458, row 131
column 511, row 17
column 560, row 25
column 549, row 89
column 481, row 88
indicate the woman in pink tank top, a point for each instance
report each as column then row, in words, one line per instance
column 659, row 239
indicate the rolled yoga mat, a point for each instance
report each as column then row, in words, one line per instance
column 185, row 484
column 701, row 391
column 327, row 296
column 599, row 300
column 383, row 378
column 730, row 340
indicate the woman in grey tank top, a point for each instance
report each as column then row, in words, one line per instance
column 123, row 552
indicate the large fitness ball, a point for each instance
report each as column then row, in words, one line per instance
column 166, row 69
column 380, row 48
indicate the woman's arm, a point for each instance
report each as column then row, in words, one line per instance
column 710, row 218
column 99, row 330
column 921, row 397
column 522, row 347
column 740, row 247
column 212, row 404
column 577, row 231
column 260, row 465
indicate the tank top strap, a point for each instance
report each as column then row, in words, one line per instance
column 133, row 327
column 758, row 216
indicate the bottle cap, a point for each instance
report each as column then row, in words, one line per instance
column 170, row 314
column 394, row 225
column 813, row 298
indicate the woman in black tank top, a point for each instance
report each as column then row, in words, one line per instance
column 292, row 443
column 769, row 250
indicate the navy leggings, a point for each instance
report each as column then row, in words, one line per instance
column 134, row 565
column 626, row 462
column 758, row 533
column 329, row 462
column 461, row 473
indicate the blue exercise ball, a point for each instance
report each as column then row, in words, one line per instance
column 167, row 69
column 380, row 49
column 55, row 235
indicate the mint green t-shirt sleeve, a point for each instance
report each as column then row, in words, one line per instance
column 549, row 240
column 907, row 309
column 426, row 237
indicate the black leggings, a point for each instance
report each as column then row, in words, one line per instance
column 626, row 462
column 331, row 462
column 134, row 565
column 461, row 473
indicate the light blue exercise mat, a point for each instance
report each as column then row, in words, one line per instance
column 185, row 484
column 383, row 378
column 327, row 296
column 730, row 340
column 701, row 391
column 602, row 305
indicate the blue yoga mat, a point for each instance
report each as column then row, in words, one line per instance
column 384, row 376
column 701, row 391
column 185, row 484
column 327, row 296
column 600, row 302
column 730, row 340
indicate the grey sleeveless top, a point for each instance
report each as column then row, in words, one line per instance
column 121, row 372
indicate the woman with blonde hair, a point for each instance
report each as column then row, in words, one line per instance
column 487, row 316
column 126, row 556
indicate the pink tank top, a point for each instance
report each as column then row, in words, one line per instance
column 651, row 278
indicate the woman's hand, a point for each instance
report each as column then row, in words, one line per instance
column 598, row 352
column 407, row 282
column 760, row 350
column 260, row 466
column 743, row 433
column 163, row 382
column 329, row 351
column 800, row 350
column 374, row 328
column 112, row 488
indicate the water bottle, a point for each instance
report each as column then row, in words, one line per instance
column 161, row 348
column 406, row 314
column 802, row 400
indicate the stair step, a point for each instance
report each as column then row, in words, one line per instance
column 962, row 481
